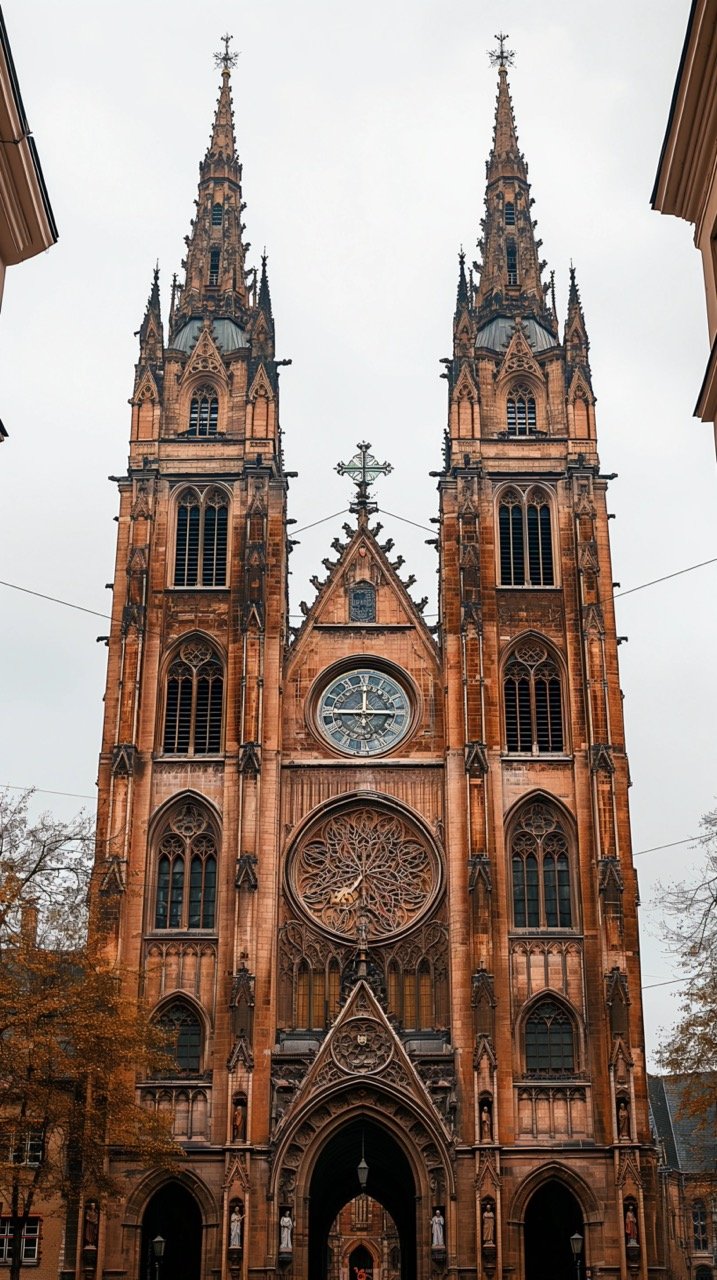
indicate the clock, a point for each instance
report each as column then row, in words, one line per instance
column 365, row 870
column 363, row 712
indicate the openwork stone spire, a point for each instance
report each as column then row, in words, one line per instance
column 216, row 280
column 510, row 273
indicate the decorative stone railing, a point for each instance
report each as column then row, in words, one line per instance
column 188, row 1105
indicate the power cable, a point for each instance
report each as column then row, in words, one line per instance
column 43, row 791
column 676, row 574
column 687, row 840
column 55, row 599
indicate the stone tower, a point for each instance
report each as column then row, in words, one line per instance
column 375, row 877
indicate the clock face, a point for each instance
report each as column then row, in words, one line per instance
column 364, row 712
column 366, row 871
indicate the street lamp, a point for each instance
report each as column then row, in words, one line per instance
column 576, row 1244
column 158, row 1252
column 362, row 1169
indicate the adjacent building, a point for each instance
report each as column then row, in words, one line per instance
column 686, row 182
column 687, row 1146
column 375, row 875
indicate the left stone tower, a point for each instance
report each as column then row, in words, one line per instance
column 195, row 650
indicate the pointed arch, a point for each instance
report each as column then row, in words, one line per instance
column 186, row 1026
column 201, row 536
column 193, row 701
column 553, row 1171
column 185, row 844
column 533, row 681
column 526, row 554
column 540, row 840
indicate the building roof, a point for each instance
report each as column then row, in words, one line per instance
column 27, row 224
column 688, row 150
column 690, row 1143
column 228, row 335
column 496, row 335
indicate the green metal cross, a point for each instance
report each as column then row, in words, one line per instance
column 364, row 470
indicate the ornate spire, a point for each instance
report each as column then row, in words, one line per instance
column 510, row 279
column 151, row 337
column 577, row 343
column 462, row 294
column 216, row 280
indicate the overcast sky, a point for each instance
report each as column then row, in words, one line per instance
column 363, row 131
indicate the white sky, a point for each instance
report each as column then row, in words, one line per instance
column 363, row 131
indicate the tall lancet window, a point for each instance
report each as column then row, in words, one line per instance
column 525, row 535
column 186, row 891
column 532, row 698
column 540, row 858
column 204, row 413
column 511, row 261
column 194, row 700
column 214, row 260
column 200, row 557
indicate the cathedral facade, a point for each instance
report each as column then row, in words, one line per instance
column 374, row 876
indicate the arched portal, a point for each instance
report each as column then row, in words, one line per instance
column 553, row 1215
column 173, row 1214
column 334, row 1183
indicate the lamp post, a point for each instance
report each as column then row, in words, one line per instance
column 362, row 1169
column 158, row 1253
column 576, row 1244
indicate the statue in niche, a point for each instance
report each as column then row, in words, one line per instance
column 631, row 1226
column 438, row 1234
column 92, row 1224
column 486, row 1124
column 236, row 1223
column 286, row 1227
column 488, row 1233
column 239, row 1118
column 623, row 1119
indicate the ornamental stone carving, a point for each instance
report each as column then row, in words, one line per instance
column 362, row 1046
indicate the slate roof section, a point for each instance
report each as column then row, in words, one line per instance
column 689, row 1144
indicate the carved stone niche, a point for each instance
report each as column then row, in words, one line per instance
column 488, row 1234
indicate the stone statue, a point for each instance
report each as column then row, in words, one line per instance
column 286, row 1227
column 236, row 1223
column 631, row 1226
column 239, row 1120
column 623, row 1120
column 92, row 1222
column 486, row 1125
column 438, row 1236
column 488, row 1224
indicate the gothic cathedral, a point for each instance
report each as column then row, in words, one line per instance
column 375, row 876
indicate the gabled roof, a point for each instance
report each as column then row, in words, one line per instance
column 690, row 1143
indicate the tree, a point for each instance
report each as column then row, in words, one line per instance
column 690, row 1048
column 72, row 1034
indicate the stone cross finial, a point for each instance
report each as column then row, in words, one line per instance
column 363, row 469
column 501, row 57
column 226, row 60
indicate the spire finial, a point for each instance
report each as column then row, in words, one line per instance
column 226, row 60
column 364, row 470
column 501, row 57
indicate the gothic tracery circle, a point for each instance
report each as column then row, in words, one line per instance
column 365, row 872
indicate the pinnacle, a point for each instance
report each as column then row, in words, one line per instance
column 462, row 296
column 223, row 141
column 264, row 298
column 505, row 154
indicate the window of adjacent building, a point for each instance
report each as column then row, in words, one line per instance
column 362, row 602
column 699, row 1226
column 520, row 412
column 194, row 701
column 186, row 871
column 22, row 1146
column 525, row 536
column 204, row 413
column 183, row 1028
column 540, row 864
column 217, row 214
column 200, row 556
column 532, row 700
column 30, row 1246
column 214, row 257
column 549, row 1041
column 511, row 261
column 509, row 213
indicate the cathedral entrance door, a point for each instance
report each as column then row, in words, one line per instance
column 173, row 1214
column 553, row 1215
column 334, row 1183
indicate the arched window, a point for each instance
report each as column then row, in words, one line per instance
column 200, row 558
column 186, row 871
column 214, row 257
column 204, row 413
column 509, row 211
column 183, row 1027
column 511, row 261
column 311, row 1008
column 525, row 535
column 520, row 412
column 699, row 1226
column 540, row 862
column 549, row 1041
column 532, row 700
column 194, row 702
column 217, row 214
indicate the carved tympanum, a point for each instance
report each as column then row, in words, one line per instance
column 362, row 1046
column 365, row 869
